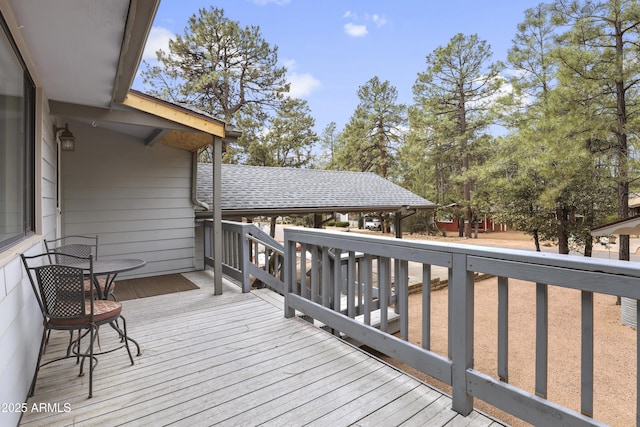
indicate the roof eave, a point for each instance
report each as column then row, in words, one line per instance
column 137, row 28
column 304, row 211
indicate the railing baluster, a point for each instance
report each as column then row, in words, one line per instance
column 351, row 285
column 315, row 277
column 402, row 289
column 326, row 277
column 256, row 253
column 503, row 329
column 384, row 290
column 396, row 267
column 367, row 278
column 426, row 306
column 542, row 339
column 358, row 286
column 337, row 279
column 637, row 363
column 306, row 292
column 586, row 392
column 235, row 250
column 235, row 238
column 225, row 246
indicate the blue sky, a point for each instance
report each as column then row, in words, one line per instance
column 331, row 47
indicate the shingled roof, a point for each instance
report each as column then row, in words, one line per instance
column 269, row 191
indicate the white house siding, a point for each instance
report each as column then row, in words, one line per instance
column 20, row 318
column 136, row 198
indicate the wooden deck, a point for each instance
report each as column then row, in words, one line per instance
column 233, row 360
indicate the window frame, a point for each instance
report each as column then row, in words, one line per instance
column 28, row 161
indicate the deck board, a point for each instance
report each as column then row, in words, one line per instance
column 233, row 360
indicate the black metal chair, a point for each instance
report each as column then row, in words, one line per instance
column 60, row 291
column 78, row 246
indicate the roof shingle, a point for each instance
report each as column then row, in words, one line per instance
column 258, row 190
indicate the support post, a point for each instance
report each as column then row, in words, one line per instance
column 217, row 215
column 397, row 217
column 461, row 327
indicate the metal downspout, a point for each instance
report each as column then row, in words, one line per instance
column 194, row 183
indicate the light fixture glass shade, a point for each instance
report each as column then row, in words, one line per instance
column 67, row 144
column 67, row 140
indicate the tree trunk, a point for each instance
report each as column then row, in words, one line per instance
column 272, row 229
column 588, row 240
column 622, row 151
column 588, row 246
column 536, row 240
column 563, row 236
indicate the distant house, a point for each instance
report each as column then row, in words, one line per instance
column 634, row 204
column 449, row 220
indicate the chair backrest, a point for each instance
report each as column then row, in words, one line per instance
column 59, row 288
column 77, row 246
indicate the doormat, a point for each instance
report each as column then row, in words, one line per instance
column 152, row 286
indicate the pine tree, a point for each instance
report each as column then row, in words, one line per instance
column 218, row 67
column 375, row 130
column 454, row 97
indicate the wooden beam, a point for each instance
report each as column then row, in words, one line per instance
column 109, row 115
column 157, row 136
column 174, row 113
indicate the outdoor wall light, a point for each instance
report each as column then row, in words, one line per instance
column 67, row 140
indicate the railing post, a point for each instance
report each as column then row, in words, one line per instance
column 461, row 326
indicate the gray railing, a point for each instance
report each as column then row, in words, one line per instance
column 317, row 291
column 248, row 254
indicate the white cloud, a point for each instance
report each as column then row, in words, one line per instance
column 378, row 20
column 355, row 30
column 302, row 84
column 290, row 64
column 158, row 40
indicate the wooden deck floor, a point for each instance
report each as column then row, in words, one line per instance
column 233, row 360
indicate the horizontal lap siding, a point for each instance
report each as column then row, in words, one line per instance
column 136, row 198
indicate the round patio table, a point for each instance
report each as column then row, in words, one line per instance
column 110, row 268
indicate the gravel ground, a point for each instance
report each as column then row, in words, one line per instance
column 614, row 348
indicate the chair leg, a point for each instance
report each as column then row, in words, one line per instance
column 124, row 337
column 93, row 361
column 94, row 333
column 70, row 346
column 43, row 341
column 126, row 340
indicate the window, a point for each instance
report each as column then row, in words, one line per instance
column 17, row 139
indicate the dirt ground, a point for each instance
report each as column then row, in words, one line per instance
column 614, row 347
